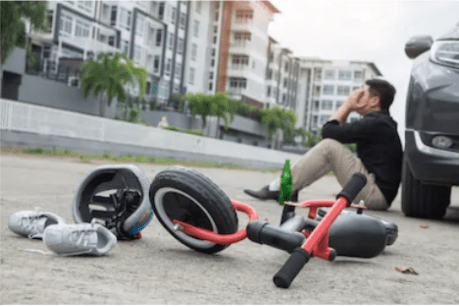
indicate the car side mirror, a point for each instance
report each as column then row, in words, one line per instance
column 418, row 45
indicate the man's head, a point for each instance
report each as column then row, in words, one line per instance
column 383, row 90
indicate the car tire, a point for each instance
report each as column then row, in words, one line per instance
column 423, row 200
column 189, row 196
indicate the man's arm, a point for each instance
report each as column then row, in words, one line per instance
column 352, row 103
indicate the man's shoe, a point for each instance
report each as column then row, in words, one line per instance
column 264, row 194
column 32, row 224
column 79, row 239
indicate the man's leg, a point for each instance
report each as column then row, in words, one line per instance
column 330, row 155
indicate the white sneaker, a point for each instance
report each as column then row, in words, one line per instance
column 79, row 239
column 32, row 224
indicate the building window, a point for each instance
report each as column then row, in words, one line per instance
column 283, row 98
column 161, row 10
column 125, row 46
column 270, row 74
column 215, row 29
column 140, row 24
column 212, row 63
column 156, row 64
column 329, row 75
column 168, row 67
column 286, row 67
column 285, row 82
column 191, row 76
column 180, row 46
column 317, row 74
column 50, row 22
column 243, row 16
column 358, row 75
column 182, row 20
column 196, row 28
column 213, row 51
column 82, row 28
column 159, row 37
column 241, row 38
column 137, row 54
column 238, row 83
column 85, row 5
column 217, row 5
column 271, row 57
column 151, row 36
column 211, row 75
column 65, row 25
column 268, row 91
column 339, row 103
column 153, row 6
column 343, row 90
column 125, row 19
column 46, row 52
column 178, row 70
column 329, row 89
column 344, row 75
column 316, row 105
column 327, row 104
column 216, row 16
column 194, row 51
column 198, row 7
column 113, row 16
column 239, row 61
column 215, row 39
column 317, row 90
column 171, row 40
column 111, row 40
column 173, row 15
column 211, row 85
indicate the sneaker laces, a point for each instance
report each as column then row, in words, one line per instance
column 30, row 225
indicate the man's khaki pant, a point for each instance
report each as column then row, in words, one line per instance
column 331, row 155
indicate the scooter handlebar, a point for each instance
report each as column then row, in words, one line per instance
column 353, row 187
column 298, row 258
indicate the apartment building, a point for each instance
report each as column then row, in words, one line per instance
column 203, row 46
column 200, row 46
column 324, row 85
column 152, row 33
column 243, row 49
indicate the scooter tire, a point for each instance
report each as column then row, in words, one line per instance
column 189, row 196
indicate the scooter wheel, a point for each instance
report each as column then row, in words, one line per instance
column 186, row 195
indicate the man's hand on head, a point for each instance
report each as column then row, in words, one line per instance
column 354, row 101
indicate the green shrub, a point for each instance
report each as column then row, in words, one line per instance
column 189, row 131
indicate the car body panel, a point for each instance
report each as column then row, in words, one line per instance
column 432, row 108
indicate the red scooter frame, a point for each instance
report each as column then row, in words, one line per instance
column 316, row 243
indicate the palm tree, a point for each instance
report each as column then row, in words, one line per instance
column 108, row 77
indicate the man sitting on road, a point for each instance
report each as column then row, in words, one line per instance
column 379, row 151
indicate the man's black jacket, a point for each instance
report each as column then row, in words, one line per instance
column 378, row 146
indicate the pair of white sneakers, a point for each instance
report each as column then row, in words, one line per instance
column 59, row 236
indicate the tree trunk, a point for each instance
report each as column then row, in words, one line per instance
column 102, row 104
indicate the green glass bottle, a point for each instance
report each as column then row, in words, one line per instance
column 285, row 184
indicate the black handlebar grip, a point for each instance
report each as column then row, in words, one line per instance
column 353, row 187
column 291, row 268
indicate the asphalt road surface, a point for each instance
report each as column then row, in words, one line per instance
column 159, row 270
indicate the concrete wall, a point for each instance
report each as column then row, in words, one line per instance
column 15, row 62
column 27, row 125
column 41, row 91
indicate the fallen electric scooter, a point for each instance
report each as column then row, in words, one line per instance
column 196, row 212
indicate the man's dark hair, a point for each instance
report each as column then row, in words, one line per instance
column 384, row 90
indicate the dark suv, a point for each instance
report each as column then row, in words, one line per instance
column 431, row 159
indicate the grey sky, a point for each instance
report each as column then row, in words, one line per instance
column 374, row 31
